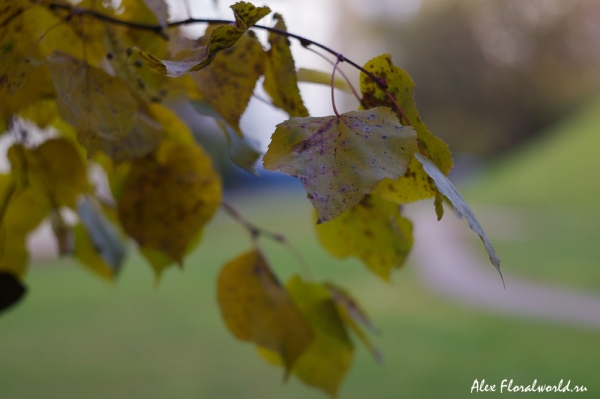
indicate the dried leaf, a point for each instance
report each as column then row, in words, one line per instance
column 373, row 231
column 460, row 205
column 340, row 160
column 280, row 74
column 257, row 308
column 167, row 198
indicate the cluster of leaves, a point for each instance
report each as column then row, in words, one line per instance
column 100, row 83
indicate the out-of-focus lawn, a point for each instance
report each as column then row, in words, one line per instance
column 77, row 337
column 554, row 187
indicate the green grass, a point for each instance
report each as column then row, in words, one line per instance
column 553, row 183
column 77, row 337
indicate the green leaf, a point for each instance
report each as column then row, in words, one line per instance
column 105, row 240
column 460, row 205
column 243, row 151
column 256, row 308
column 168, row 197
column 221, row 38
column 280, row 74
column 373, row 231
column 339, row 160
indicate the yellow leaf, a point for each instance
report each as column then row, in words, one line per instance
column 280, row 74
column 165, row 203
column 257, row 308
column 92, row 100
column 22, row 210
column 339, row 160
column 221, row 38
column 140, row 141
column 326, row 361
column 373, row 231
column 237, row 69
column 401, row 86
column 415, row 184
column 42, row 112
column 55, row 169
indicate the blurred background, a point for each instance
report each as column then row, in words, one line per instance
column 513, row 87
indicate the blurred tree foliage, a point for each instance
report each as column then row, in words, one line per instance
column 491, row 74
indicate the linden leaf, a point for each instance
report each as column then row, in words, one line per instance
column 326, row 361
column 98, row 245
column 90, row 99
column 460, row 205
column 341, row 159
column 238, row 69
column 373, row 231
column 256, row 308
column 415, row 184
column 354, row 317
column 243, row 151
column 221, row 38
column 280, row 74
column 168, row 197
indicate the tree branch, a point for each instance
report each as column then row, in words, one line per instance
column 159, row 30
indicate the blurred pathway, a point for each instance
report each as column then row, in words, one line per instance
column 452, row 267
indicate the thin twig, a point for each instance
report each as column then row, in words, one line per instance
column 335, row 111
column 103, row 17
column 343, row 75
column 158, row 29
column 256, row 232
